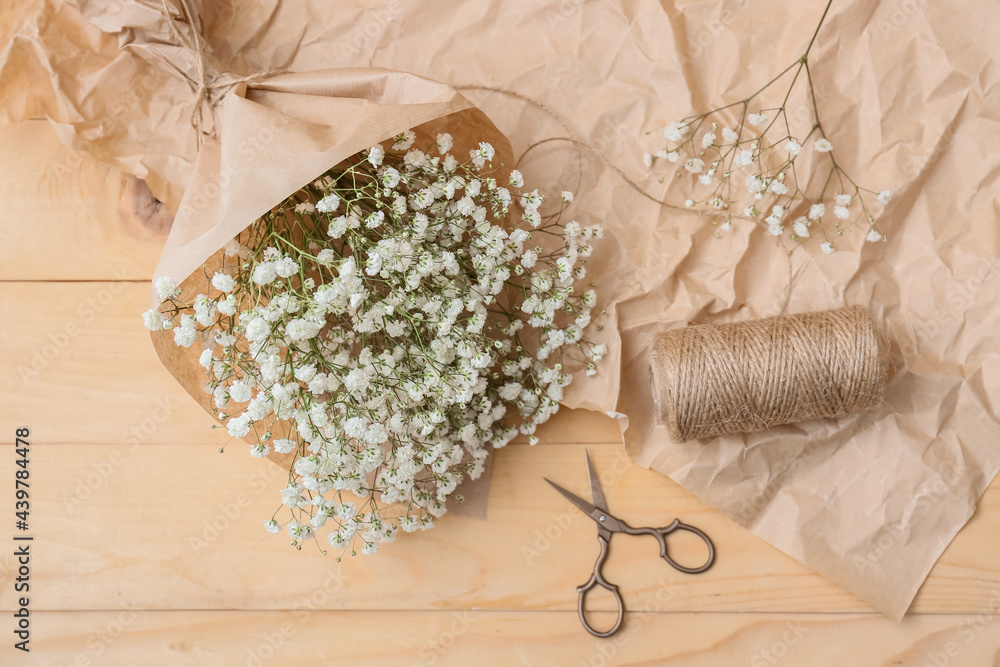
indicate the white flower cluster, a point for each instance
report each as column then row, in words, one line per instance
column 386, row 324
column 764, row 166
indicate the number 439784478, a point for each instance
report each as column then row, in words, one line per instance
column 22, row 505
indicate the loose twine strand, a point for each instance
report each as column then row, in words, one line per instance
column 750, row 376
column 207, row 88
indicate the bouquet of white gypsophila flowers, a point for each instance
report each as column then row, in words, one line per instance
column 384, row 325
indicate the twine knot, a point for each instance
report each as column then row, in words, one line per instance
column 209, row 85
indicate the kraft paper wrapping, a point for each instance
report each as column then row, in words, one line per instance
column 908, row 97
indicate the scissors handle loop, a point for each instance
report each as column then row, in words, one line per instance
column 661, row 534
column 597, row 579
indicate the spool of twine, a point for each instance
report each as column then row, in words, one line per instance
column 750, row 376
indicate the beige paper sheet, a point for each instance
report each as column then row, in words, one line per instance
column 909, row 97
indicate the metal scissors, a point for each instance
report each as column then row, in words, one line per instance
column 607, row 525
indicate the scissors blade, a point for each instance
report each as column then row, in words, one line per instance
column 606, row 524
column 595, row 487
column 584, row 506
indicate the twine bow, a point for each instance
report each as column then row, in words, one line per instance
column 208, row 87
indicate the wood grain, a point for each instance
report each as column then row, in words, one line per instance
column 69, row 217
column 179, row 527
column 306, row 636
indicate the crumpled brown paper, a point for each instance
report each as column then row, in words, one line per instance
column 908, row 96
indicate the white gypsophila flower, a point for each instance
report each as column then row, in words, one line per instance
column 227, row 306
column 305, row 207
column 166, row 288
column 257, row 329
column 286, row 267
column 238, row 426
column 884, row 197
column 375, row 155
column 801, row 227
column 223, row 282
column 823, row 145
column 757, row 119
column 793, row 147
column 186, row 334
column 328, row 204
column 154, row 320
column 694, row 165
column 443, row 142
column 480, row 156
column 265, row 273
column 284, row 446
column 240, row 391
column 567, row 197
column 729, row 135
column 816, row 211
column 842, row 199
column 404, row 140
column 841, row 212
column 647, row 159
column 827, row 248
column 675, row 131
column 874, row 236
column 300, row 329
column 708, row 140
column 743, row 158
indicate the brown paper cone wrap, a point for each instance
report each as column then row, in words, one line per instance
column 293, row 145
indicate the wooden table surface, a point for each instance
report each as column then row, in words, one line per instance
column 148, row 546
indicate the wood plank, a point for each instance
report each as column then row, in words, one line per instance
column 82, row 346
column 179, row 527
column 311, row 636
column 69, row 217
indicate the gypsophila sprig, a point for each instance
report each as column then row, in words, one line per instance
column 386, row 325
column 748, row 168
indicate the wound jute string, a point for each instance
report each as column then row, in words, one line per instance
column 751, row 376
